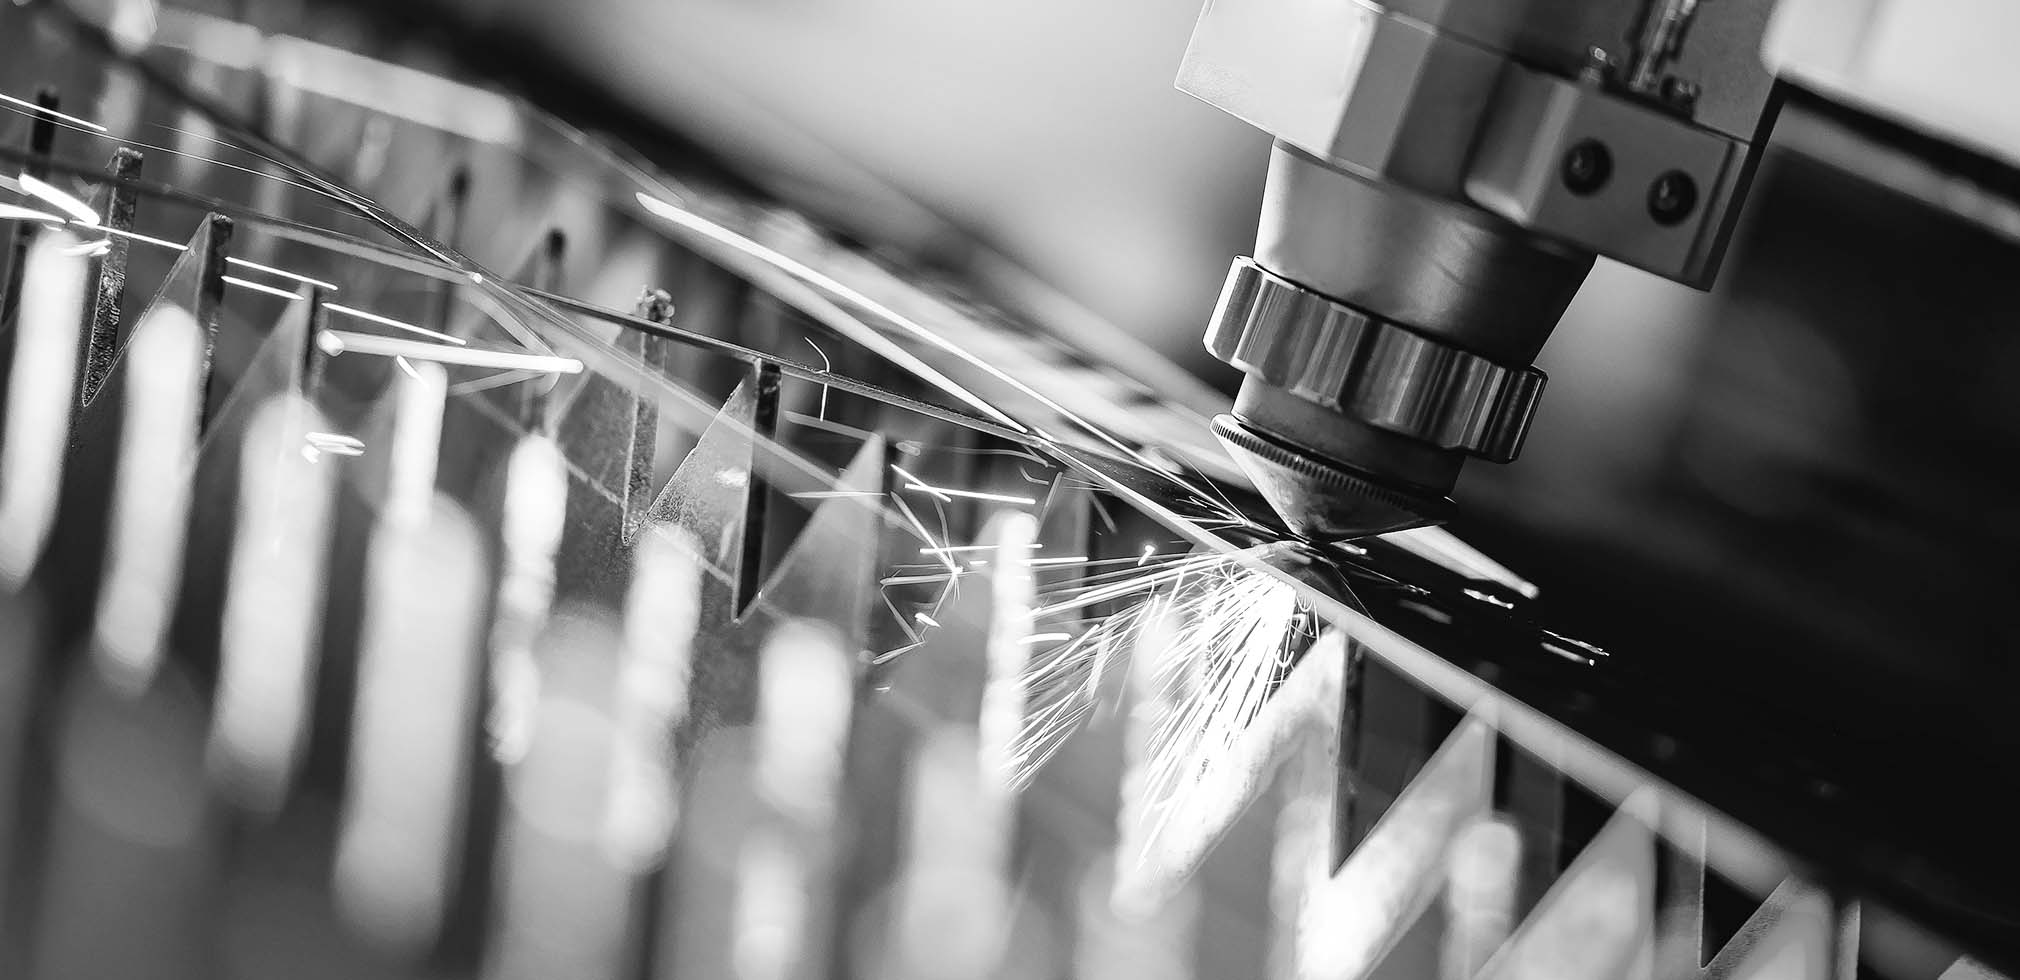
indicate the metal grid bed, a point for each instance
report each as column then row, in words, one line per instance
column 369, row 613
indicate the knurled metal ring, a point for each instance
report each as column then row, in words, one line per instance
column 1370, row 369
column 1332, row 475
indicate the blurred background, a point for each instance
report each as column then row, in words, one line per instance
column 1791, row 494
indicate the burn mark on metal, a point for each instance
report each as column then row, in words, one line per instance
column 117, row 203
column 757, row 494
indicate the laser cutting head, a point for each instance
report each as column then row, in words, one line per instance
column 1444, row 174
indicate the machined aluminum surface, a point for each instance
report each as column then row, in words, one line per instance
column 1370, row 369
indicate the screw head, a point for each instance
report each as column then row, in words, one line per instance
column 1598, row 66
column 1672, row 197
column 1586, row 168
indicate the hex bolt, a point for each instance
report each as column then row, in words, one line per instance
column 1672, row 197
column 1587, row 166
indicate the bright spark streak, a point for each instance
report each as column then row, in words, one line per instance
column 229, row 259
column 61, row 199
column 334, row 342
column 335, row 443
column 837, row 428
column 924, row 534
column 945, row 492
column 1143, row 583
column 283, row 273
column 715, row 232
column 918, row 484
column 396, row 324
column 149, row 239
column 928, row 620
column 408, row 367
column 827, row 366
column 953, row 549
column 913, row 579
column 259, row 287
column 32, row 107
column 890, row 655
column 1148, row 550
column 1239, row 631
column 1074, row 560
column 15, row 212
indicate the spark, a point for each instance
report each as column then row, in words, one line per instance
column 334, row 342
column 890, row 655
column 837, row 428
column 826, row 366
column 408, row 367
column 945, row 492
column 1148, row 550
column 63, row 200
column 334, row 443
column 258, row 287
column 952, row 549
column 138, row 237
column 914, row 579
column 928, row 620
column 15, row 212
column 899, row 618
column 229, row 260
column 387, row 321
column 1238, row 633
column 920, row 526
column 39, row 110
column 916, row 483
column 499, row 380
column 283, row 273
column 1073, row 560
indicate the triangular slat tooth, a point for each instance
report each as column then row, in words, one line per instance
column 162, row 392
column 276, row 370
column 1798, row 933
column 829, row 573
column 1356, row 914
column 703, row 497
column 269, row 630
column 1596, row 922
column 116, row 204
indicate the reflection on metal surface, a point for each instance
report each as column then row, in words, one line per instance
column 399, row 849
column 151, row 498
column 273, row 609
column 1355, row 915
column 38, row 395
